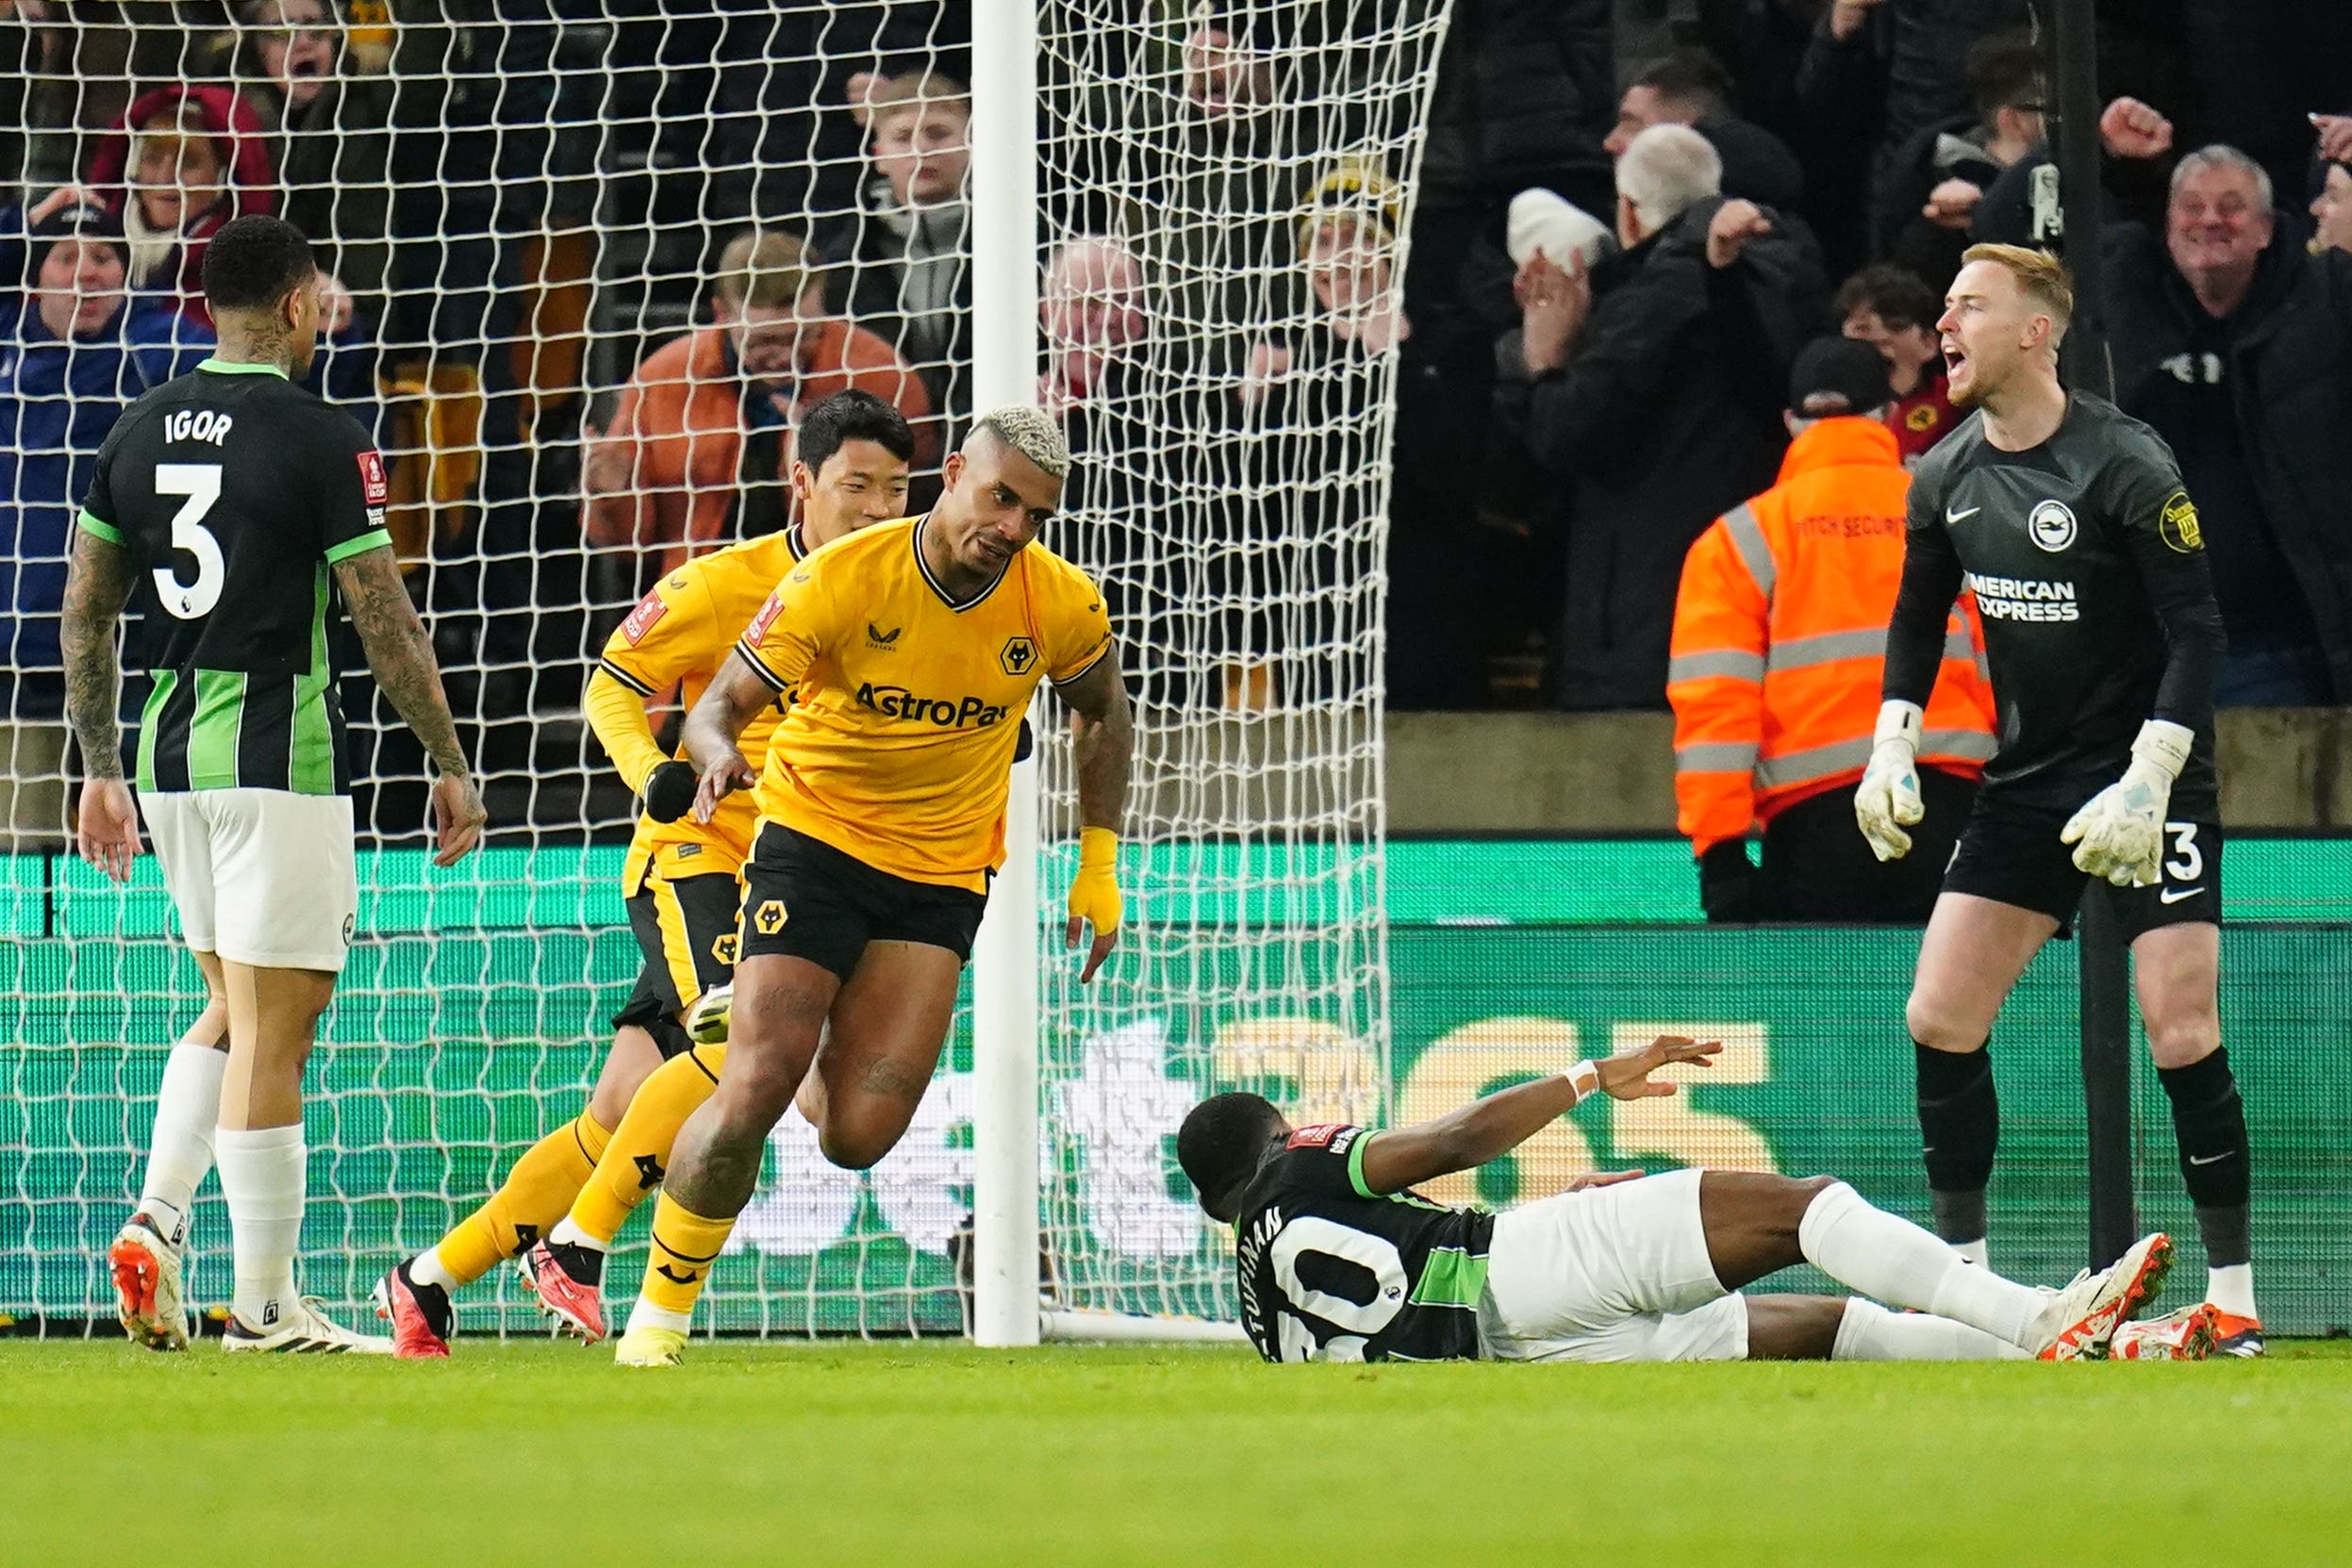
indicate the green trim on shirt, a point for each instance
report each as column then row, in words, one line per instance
column 372, row 539
column 234, row 367
column 93, row 524
column 1355, row 1165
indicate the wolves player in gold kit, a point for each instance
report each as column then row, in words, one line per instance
column 681, row 881
column 912, row 648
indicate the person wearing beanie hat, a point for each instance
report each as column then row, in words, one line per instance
column 1775, row 670
column 1834, row 376
column 82, row 219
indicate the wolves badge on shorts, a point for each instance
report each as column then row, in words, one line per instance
column 769, row 918
column 722, row 948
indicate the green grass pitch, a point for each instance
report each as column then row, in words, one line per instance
column 542, row 1453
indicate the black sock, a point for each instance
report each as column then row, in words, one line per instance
column 1960, row 1124
column 2209, row 1119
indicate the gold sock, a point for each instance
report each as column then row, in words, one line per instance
column 635, row 1162
column 534, row 1196
column 685, row 1246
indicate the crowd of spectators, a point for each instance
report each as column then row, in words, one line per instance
column 1631, row 219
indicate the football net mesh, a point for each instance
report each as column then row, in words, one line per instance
column 521, row 210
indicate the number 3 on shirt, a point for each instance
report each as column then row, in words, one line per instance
column 201, row 483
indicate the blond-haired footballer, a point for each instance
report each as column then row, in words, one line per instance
column 2069, row 520
column 681, row 879
column 913, row 650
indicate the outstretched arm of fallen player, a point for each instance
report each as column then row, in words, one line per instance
column 400, row 656
column 1399, row 1157
column 1105, row 731
column 712, row 729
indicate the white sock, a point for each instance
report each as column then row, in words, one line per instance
column 428, row 1269
column 2231, row 1288
column 1976, row 1252
column 1874, row 1253
column 566, row 1234
column 263, row 1177
column 1868, row 1332
column 646, row 1316
column 179, row 1150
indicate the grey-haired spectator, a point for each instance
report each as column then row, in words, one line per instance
column 77, row 347
column 1091, row 311
column 1650, row 387
column 2237, row 347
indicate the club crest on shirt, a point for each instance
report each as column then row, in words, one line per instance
column 2176, row 524
column 1017, row 655
column 1920, row 418
column 2051, row 525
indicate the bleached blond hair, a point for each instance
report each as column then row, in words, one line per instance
column 1030, row 432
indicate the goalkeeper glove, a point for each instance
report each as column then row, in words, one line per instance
column 2119, row 834
column 1888, row 800
column 670, row 791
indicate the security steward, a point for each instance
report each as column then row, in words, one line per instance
column 1780, row 632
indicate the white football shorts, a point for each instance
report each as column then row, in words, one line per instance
column 261, row 877
column 1612, row 1274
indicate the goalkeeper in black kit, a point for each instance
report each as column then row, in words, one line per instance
column 2069, row 522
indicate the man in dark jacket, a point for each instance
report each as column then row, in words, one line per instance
column 1690, row 89
column 74, row 352
column 2236, row 345
column 1653, row 389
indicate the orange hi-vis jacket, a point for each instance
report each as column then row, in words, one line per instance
column 1780, row 633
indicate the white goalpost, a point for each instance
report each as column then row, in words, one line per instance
column 1257, row 734
column 1005, row 233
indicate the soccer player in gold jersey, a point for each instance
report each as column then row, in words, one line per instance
column 681, row 881
column 912, row 650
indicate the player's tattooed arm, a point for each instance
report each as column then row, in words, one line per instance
column 1486, row 1129
column 399, row 651
column 97, row 583
column 714, row 728
column 1106, row 735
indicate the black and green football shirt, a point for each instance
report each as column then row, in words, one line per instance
column 233, row 490
column 1334, row 1271
column 2089, row 572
